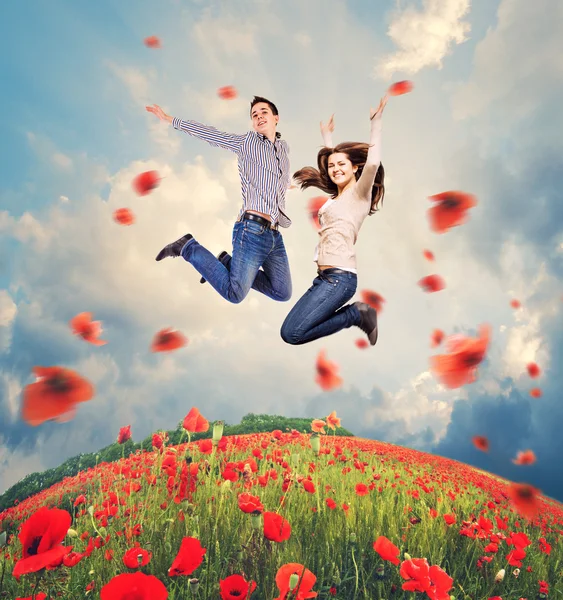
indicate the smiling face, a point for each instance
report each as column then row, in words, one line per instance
column 263, row 119
column 340, row 169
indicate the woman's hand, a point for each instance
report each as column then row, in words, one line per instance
column 377, row 113
column 156, row 110
column 329, row 127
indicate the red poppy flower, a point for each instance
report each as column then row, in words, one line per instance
column 124, row 434
column 227, row 92
column 235, row 587
column 123, row 216
column 276, row 528
column 134, row 586
column 144, row 183
column 449, row 519
column 54, row 395
column 167, row 340
column 527, row 457
column 152, row 42
column 41, row 536
column 437, row 337
column 189, row 557
column 314, row 206
column 136, row 557
column 361, row 343
column 465, row 354
column 248, row 503
column 515, row 303
column 386, row 549
column 432, row 283
column 327, row 376
column 428, row 255
column 533, row 370
column 400, row 87
column 302, row 589
column 87, row 329
column 450, row 210
column 524, row 499
column 194, row 422
column 536, row 392
column 481, row 443
column 332, row 420
column 374, row 299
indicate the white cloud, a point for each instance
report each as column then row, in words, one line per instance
column 63, row 199
column 62, row 160
column 424, row 37
column 8, row 311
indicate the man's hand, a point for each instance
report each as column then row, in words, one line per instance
column 156, row 110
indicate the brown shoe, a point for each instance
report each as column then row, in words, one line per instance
column 173, row 250
column 368, row 323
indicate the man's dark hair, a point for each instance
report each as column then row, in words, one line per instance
column 258, row 99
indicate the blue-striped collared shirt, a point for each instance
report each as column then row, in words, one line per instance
column 263, row 167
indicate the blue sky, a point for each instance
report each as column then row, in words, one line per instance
column 483, row 117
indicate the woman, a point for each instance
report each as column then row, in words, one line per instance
column 353, row 175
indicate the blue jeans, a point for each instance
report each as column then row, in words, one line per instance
column 254, row 246
column 320, row 312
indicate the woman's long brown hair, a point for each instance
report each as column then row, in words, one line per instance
column 357, row 154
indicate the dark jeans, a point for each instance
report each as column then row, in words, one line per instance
column 254, row 246
column 320, row 312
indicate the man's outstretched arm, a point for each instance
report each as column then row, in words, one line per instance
column 229, row 141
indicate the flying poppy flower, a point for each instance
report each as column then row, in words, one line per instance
column 41, row 536
column 450, row 210
column 481, row 443
column 527, row 457
column 189, row 557
column 134, row 586
column 332, row 420
column 374, row 299
column 152, row 42
column 533, row 370
column 458, row 367
column 227, row 92
column 144, row 183
column 437, row 337
column 276, row 528
column 400, row 87
column 87, row 329
column 248, row 503
column 361, row 343
column 124, row 434
column 428, row 255
column 235, row 587
column 515, row 303
column 167, row 340
column 302, row 590
column 123, row 216
column 386, row 549
column 194, row 422
column 524, row 499
column 432, row 283
column 536, row 392
column 315, row 205
column 318, row 426
column 327, row 370
column 54, row 395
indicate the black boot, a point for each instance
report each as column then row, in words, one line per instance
column 173, row 250
column 224, row 257
column 368, row 323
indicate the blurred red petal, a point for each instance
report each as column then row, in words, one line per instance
column 167, row 340
column 227, row 92
column 533, row 370
column 144, row 183
column 432, row 283
column 374, row 299
column 124, row 216
column 428, row 255
column 315, row 205
column 152, row 42
column 362, row 343
column 437, row 337
column 400, row 87
column 515, row 303
column 535, row 393
column 327, row 370
column 481, row 443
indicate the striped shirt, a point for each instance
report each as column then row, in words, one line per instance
column 263, row 167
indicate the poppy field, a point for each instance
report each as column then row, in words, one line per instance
column 281, row 515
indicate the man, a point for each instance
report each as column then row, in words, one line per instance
column 263, row 165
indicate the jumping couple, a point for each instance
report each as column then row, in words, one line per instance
column 351, row 173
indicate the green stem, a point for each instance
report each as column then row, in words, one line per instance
column 356, row 567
